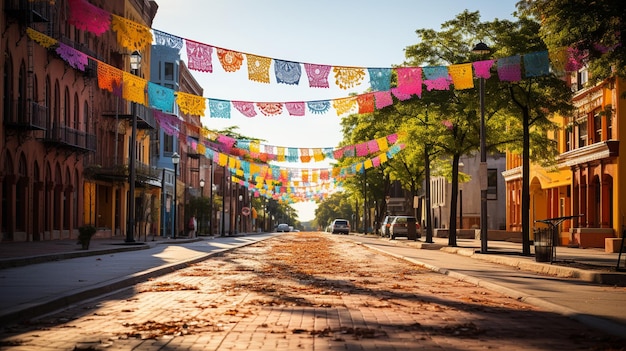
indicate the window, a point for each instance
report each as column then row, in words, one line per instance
column 7, row 81
column 597, row 127
column 609, row 127
column 169, row 71
column 75, row 123
column 583, row 78
column 492, row 184
column 582, row 133
column 568, row 138
column 168, row 143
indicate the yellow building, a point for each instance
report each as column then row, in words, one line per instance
column 584, row 181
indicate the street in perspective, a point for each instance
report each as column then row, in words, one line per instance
column 325, row 175
column 311, row 291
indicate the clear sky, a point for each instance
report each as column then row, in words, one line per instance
column 359, row 33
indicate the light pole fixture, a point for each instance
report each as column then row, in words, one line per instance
column 201, row 212
column 211, row 190
column 460, row 169
column 135, row 64
column 239, row 214
column 175, row 161
column 482, row 49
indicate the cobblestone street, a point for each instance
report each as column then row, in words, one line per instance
column 304, row 291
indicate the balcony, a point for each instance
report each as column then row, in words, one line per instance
column 145, row 117
column 24, row 115
column 594, row 152
column 108, row 168
column 28, row 11
column 65, row 137
column 91, row 70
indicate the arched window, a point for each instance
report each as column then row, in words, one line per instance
column 57, row 105
column 86, row 118
column 66, row 108
column 48, row 103
column 21, row 93
column 76, row 124
column 6, row 191
column 7, row 82
column 75, row 195
column 21, row 194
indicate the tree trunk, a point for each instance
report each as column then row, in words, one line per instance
column 525, row 183
column 454, row 200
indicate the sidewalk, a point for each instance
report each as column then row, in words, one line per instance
column 36, row 283
column 71, row 275
column 567, row 290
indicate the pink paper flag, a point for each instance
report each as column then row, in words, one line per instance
column 361, row 149
column 482, row 68
column 400, row 95
column 410, row 80
column 383, row 99
column 509, row 69
column 295, row 108
column 317, row 74
column 86, row 16
column 246, row 108
column 199, row 56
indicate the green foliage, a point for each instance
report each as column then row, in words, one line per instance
column 593, row 27
column 334, row 206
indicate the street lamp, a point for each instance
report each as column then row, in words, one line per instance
column 175, row 161
column 135, row 64
column 211, row 190
column 482, row 49
column 240, row 229
column 461, row 166
column 201, row 212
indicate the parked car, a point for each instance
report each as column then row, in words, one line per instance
column 340, row 226
column 283, row 227
column 400, row 227
column 384, row 226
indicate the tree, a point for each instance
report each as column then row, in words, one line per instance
column 452, row 127
column 593, row 28
column 334, row 206
column 537, row 98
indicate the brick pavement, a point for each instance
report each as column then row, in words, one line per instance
column 314, row 293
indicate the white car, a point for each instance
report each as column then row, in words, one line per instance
column 283, row 227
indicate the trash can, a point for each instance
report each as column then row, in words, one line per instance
column 411, row 228
column 543, row 245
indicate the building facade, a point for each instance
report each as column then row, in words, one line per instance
column 65, row 142
column 468, row 210
column 584, row 182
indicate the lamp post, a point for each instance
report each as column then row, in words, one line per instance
column 240, row 207
column 461, row 166
column 135, row 64
column 201, row 212
column 211, row 189
column 175, row 161
column 482, row 49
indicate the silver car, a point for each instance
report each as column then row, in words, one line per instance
column 400, row 227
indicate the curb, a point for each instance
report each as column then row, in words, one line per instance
column 40, row 308
column 601, row 324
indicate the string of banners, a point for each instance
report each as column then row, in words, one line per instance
column 410, row 82
column 135, row 36
column 294, row 184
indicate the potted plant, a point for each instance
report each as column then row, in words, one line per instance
column 84, row 235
